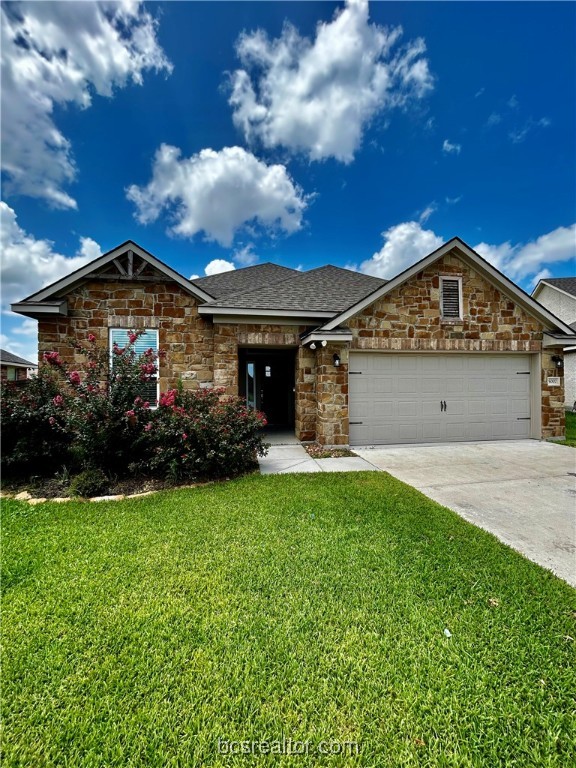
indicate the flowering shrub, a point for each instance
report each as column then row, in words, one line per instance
column 30, row 444
column 201, row 434
column 92, row 417
column 82, row 417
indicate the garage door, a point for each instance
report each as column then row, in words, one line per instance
column 405, row 398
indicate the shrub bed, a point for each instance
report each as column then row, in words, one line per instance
column 91, row 419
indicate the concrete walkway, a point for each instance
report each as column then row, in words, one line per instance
column 287, row 458
column 522, row 491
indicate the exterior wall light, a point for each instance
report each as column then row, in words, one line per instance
column 324, row 343
column 313, row 345
column 557, row 360
column 336, row 359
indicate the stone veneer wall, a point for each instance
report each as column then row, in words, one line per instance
column 553, row 413
column 306, row 403
column 332, row 395
column 97, row 306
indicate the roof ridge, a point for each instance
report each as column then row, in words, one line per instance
column 295, row 273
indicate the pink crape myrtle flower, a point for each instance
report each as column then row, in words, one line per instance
column 91, row 338
column 74, row 378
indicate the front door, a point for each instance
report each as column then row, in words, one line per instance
column 267, row 383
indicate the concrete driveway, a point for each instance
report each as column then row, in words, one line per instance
column 522, row 491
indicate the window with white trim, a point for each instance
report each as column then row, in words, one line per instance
column 148, row 340
column 451, row 298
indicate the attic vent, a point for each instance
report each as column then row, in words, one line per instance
column 451, row 297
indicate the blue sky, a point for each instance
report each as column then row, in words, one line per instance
column 221, row 134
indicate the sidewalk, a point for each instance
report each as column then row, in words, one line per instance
column 284, row 459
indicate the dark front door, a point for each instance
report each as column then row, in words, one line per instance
column 267, row 383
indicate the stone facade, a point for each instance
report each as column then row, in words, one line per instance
column 408, row 319
column 332, row 395
column 553, row 412
column 306, row 402
column 95, row 307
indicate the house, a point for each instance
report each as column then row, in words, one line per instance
column 448, row 350
column 14, row 368
column 558, row 294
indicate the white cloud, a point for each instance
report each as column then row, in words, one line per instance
column 406, row 243
column 216, row 266
column 29, row 327
column 451, row 149
column 513, row 102
column 29, row 264
column 494, row 119
column 518, row 135
column 317, row 96
column 27, row 350
column 245, row 256
column 453, row 200
column 542, row 275
column 55, row 54
column 427, row 212
column 522, row 260
column 479, row 92
column 219, row 193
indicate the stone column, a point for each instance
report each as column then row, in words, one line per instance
column 553, row 413
column 226, row 358
column 305, row 397
column 332, row 396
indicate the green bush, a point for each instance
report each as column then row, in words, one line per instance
column 91, row 482
column 31, row 444
column 201, row 434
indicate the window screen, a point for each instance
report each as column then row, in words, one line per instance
column 450, row 298
column 149, row 339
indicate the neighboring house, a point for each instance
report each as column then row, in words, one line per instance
column 14, row 368
column 448, row 350
column 558, row 294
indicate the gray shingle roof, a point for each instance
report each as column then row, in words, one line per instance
column 567, row 284
column 325, row 289
column 246, row 279
column 7, row 358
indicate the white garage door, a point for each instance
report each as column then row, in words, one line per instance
column 433, row 398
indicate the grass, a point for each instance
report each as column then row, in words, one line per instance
column 313, row 608
column 570, row 429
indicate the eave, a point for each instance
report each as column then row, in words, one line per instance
column 38, row 310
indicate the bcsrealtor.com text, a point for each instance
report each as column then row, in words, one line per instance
column 287, row 747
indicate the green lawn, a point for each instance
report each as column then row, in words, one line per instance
column 570, row 429
column 309, row 607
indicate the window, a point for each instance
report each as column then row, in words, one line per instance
column 149, row 339
column 451, row 297
column 11, row 374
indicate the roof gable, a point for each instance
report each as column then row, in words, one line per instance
column 115, row 257
column 8, row 358
column 467, row 254
column 565, row 285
